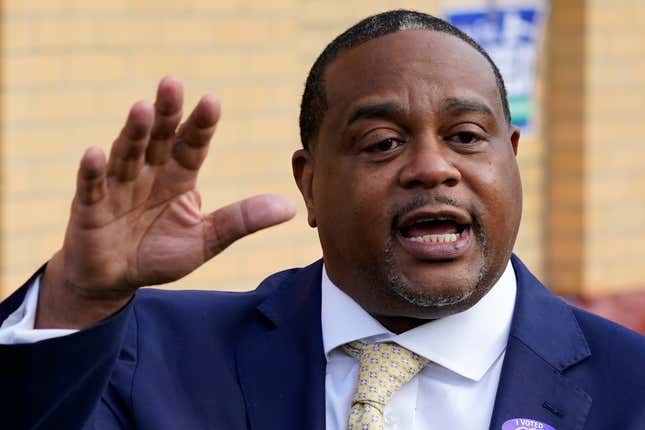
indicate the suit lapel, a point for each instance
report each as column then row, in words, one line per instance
column 282, row 366
column 544, row 342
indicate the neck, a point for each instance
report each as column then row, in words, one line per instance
column 398, row 325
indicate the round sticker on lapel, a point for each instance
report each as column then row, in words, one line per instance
column 525, row 424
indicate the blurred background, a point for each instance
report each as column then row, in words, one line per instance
column 70, row 70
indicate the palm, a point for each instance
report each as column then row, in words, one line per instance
column 153, row 242
column 136, row 219
column 172, row 246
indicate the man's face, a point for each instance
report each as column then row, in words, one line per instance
column 413, row 181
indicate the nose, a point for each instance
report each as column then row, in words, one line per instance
column 429, row 165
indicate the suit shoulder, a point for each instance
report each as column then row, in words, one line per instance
column 615, row 350
column 609, row 332
column 613, row 374
column 169, row 304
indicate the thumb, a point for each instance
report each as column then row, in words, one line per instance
column 232, row 222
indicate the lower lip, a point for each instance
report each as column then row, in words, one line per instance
column 438, row 251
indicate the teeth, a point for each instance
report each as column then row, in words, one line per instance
column 436, row 238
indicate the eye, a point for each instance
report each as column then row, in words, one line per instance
column 385, row 145
column 464, row 137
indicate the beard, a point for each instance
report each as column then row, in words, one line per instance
column 420, row 295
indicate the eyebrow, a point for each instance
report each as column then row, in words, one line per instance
column 380, row 110
column 450, row 106
column 459, row 106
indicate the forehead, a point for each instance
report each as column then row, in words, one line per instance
column 413, row 68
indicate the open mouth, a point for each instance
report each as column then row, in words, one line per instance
column 434, row 230
column 435, row 234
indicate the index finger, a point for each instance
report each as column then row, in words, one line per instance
column 194, row 135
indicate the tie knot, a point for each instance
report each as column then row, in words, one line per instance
column 383, row 369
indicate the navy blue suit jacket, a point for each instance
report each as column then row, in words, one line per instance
column 212, row 360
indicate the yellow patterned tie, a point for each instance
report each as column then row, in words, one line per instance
column 384, row 368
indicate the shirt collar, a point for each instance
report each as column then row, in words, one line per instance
column 467, row 343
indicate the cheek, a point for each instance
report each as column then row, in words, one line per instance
column 373, row 192
column 353, row 206
column 498, row 191
column 333, row 202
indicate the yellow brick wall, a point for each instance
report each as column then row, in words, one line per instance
column 70, row 70
column 564, row 134
column 596, row 181
column 615, row 150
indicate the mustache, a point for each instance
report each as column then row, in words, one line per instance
column 420, row 201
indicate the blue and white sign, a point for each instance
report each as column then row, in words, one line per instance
column 511, row 36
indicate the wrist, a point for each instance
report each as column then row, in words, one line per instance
column 64, row 304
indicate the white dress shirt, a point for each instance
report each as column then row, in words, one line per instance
column 19, row 326
column 455, row 391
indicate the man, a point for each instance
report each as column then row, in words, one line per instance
column 408, row 171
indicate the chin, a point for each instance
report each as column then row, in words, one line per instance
column 425, row 295
column 437, row 286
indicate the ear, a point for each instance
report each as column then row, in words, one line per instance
column 302, row 164
column 515, row 138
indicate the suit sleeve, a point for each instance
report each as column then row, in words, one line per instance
column 57, row 383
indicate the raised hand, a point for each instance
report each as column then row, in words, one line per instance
column 136, row 219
